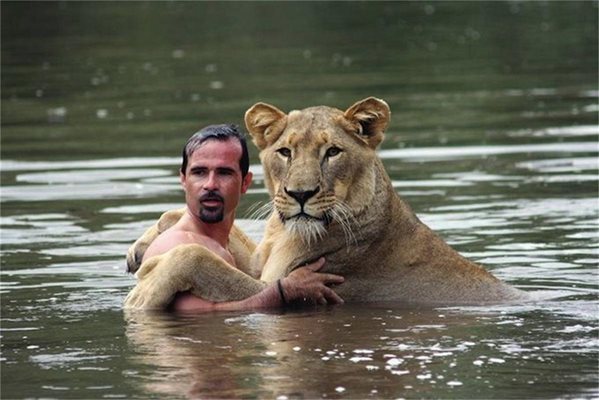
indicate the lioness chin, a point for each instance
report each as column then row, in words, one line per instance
column 332, row 197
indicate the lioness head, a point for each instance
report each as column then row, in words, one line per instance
column 318, row 162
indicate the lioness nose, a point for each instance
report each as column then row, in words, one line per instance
column 302, row 196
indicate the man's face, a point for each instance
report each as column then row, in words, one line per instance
column 212, row 182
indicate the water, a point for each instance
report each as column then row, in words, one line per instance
column 493, row 141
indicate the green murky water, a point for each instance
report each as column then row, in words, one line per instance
column 493, row 141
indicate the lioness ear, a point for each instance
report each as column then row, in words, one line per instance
column 265, row 123
column 370, row 117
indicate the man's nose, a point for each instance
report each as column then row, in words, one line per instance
column 211, row 183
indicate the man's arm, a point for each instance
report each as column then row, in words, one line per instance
column 304, row 285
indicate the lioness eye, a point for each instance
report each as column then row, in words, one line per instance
column 333, row 151
column 285, row 152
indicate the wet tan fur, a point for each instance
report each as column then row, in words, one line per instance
column 190, row 268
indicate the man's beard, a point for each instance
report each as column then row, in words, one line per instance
column 211, row 215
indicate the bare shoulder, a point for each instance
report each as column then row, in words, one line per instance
column 169, row 239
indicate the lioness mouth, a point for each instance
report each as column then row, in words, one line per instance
column 301, row 215
column 325, row 219
column 307, row 227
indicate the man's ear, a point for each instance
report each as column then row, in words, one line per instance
column 182, row 179
column 246, row 182
column 265, row 123
column 369, row 118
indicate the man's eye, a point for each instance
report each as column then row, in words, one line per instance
column 285, row 152
column 333, row 151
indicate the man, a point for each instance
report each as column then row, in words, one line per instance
column 214, row 175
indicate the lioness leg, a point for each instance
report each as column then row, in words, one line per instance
column 240, row 245
column 191, row 268
column 138, row 248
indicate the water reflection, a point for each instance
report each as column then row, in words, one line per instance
column 285, row 354
column 450, row 153
column 398, row 352
column 71, row 184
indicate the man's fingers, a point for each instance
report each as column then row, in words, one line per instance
column 331, row 278
column 307, row 283
column 316, row 265
column 332, row 297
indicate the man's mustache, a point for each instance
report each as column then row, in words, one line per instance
column 211, row 195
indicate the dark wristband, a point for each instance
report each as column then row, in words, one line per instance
column 280, row 286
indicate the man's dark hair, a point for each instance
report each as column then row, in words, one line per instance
column 217, row 132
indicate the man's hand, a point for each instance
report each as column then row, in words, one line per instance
column 307, row 286
column 304, row 286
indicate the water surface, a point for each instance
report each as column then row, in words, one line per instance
column 493, row 142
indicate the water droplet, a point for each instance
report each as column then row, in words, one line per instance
column 217, row 85
column 363, row 351
column 400, row 372
column 358, row 359
column 394, row 361
column 178, row 53
column 56, row 115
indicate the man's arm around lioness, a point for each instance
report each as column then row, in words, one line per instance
column 304, row 284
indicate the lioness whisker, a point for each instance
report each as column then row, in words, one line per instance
column 308, row 231
column 341, row 213
column 252, row 209
column 260, row 211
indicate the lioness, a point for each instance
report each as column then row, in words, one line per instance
column 333, row 198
